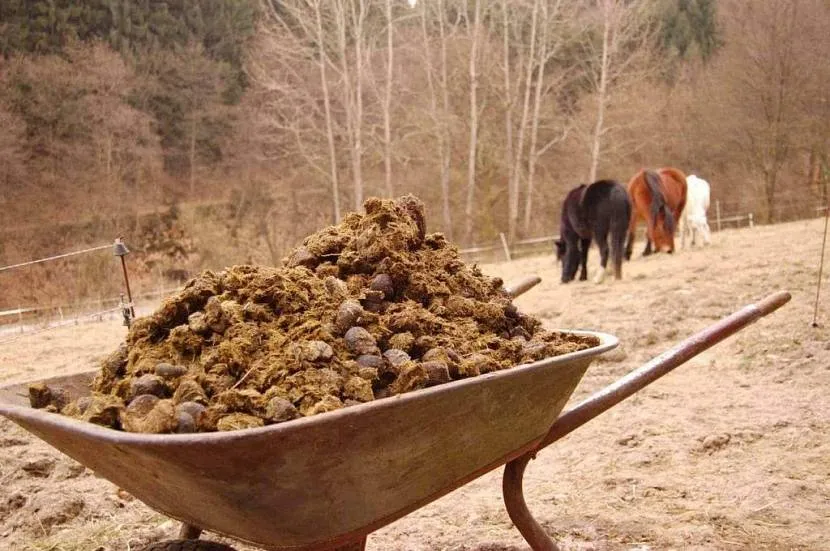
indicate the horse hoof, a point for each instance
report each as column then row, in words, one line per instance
column 599, row 278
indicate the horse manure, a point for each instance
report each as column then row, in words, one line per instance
column 437, row 373
column 40, row 395
column 237, row 421
column 279, row 409
column 366, row 309
column 170, row 371
column 148, row 384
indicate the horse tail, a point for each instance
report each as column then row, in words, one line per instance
column 658, row 201
column 668, row 220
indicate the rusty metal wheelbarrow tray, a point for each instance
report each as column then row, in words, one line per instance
column 329, row 480
column 330, row 477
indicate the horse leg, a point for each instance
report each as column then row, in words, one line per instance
column 684, row 226
column 585, row 244
column 632, row 229
column 601, row 237
column 602, row 243
column 649, row 235
column 617, row 251
column 647, row 251
column 677, row 213
column 570, row 262
column 704, row 233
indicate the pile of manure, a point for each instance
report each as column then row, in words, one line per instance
column 363, row 310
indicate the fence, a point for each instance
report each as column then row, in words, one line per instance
column 723, row 215
column 789, row 206
column 27, row 319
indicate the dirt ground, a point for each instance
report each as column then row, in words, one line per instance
column 729, row 452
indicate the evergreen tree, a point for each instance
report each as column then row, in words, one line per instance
column 688, row 24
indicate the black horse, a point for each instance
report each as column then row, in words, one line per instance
column 593, row 212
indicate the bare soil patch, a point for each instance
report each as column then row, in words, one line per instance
column 729, row 452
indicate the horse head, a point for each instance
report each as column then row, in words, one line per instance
column 664, row 232
column 561, row 249
column 569, row 261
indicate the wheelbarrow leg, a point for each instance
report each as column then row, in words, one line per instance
column 514, row 501
column 189, row 532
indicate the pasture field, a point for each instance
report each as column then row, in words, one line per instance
column 729, row 452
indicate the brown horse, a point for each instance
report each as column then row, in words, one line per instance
column 658, row 198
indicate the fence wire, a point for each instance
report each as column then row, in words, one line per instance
column 55, row 257
column 19, row 329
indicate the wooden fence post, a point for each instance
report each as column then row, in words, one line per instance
column 504, row 245
column 717, row 214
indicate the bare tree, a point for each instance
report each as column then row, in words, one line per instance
column 473, row 29
column 622, row 48
column 322, row 62
column 387, row 100
column 440, row 115
column 767, row 83
column 548, row 47
column 514, row 181
column 350, row 23
column 508, row 103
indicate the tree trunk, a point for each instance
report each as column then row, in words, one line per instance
column 357, row 154
column 387, row 102
column 769, row 195
column 324, row 83
column 351, row 93
column 608, row 9
column 473, row 144
column 193, row 156
column 533, row 155
column 446, row 157
column 508, row 100
column 515, row 178
column 439, row 119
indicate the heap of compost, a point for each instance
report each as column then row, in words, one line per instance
column 360, row 311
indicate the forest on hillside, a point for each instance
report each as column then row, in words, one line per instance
column 250, row 123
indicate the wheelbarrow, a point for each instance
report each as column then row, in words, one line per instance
column 326, row 482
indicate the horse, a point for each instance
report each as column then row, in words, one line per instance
column 658, row 198
column 693, row 219
column 593, row 212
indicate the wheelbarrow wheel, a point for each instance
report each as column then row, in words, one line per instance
column 188, row 545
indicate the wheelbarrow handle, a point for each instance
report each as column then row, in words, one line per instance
column 649, row 372
column 522, row 286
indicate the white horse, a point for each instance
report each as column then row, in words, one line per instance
column 693, row 218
